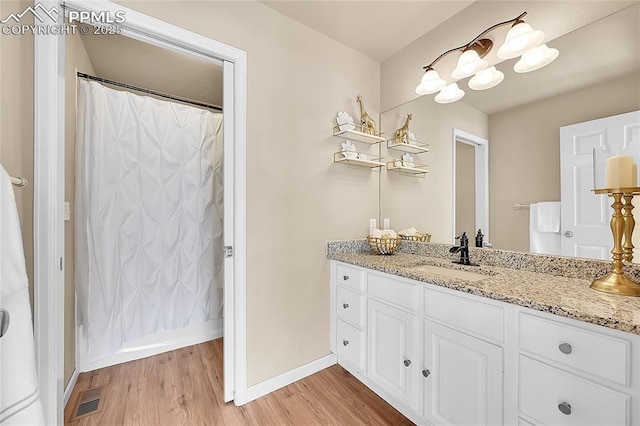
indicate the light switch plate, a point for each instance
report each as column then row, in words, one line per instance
column 386, row 222
column 373, row 223
column 67, row 211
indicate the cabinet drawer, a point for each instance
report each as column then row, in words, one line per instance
column 480, row 319
column 350, row 343
column 593, row 353
column 349, row 276
column 554, row 397
column 392, row 291
column 349, row 306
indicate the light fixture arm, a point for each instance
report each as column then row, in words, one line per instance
column 470, row 44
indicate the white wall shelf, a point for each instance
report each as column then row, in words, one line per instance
column 413, row 147
column 339, row 157
column 357, row 135
column 417, row 170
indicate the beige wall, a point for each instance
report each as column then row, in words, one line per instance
column 297, row 198
column 76, row 57
column 524, row 152
column 16, row 121
column 465, row 190
column 427, row 203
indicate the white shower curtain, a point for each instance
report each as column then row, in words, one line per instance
column 148, row 216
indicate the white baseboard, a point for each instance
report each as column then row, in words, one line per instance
column 284, row 379
column 70, row 386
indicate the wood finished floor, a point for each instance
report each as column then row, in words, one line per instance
column 184, row 387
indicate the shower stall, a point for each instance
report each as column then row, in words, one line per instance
column 148, row 224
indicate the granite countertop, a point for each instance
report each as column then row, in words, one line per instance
column 559, row 295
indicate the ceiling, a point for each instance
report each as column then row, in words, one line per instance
column 136, row 63
column 378, row 29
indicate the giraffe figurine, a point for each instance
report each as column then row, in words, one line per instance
column 368, row 125
column 402, row 134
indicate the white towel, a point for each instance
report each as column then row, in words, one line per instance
column 541, row 242
column 548, row 216
column 19, row 397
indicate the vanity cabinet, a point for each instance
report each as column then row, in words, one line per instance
column 572, row 375
column 444, row 357
column 462, row 378
column 391, row 351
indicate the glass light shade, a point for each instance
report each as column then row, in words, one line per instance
column 450, row 93
column 486, row 79
column 537, row 58
column 430, row 83
column 520, row 39
column 469, row 63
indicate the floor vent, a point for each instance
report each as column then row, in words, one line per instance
column 89, row 403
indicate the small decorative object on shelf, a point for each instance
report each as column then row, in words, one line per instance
column 349, row 150
column 403, row 135
column 622, row 226
column 386, row 244
column 407, row 160
column 368, row 125
column 345, row 121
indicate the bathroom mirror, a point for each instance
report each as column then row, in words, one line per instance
column 596, row 75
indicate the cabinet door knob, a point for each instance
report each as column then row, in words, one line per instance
column 564, row 408
column 568, row 234
column 345, row 277
column 426, row 372
column 407, row 362
column 345, row 305
column 345, row 342
column 565, row 348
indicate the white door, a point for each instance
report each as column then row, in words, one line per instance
column 462, row 378
column 392, row 351
column 585, row 216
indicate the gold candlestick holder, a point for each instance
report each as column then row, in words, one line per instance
column 622, row 225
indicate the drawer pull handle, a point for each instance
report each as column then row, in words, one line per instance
column 345, row 277
column 345, row 342
column 407, row 362
column 565, row 348
column 564, row 408
column 426, row 372
column 345, row 305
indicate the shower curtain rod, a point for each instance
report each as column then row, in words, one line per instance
column 151, row 92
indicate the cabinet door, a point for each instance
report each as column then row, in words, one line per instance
column 462, row 378
column 392, row 351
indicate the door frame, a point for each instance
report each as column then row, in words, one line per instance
column 49, row 171
column 481, row 182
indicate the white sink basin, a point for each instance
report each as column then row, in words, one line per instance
column 450, row 273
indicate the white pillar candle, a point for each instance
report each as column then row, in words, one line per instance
column 619, row 171
column 634, row 175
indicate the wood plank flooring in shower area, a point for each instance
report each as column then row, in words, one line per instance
column 184, row 387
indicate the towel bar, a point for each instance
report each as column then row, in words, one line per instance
column 518, row 206
column 19, row 182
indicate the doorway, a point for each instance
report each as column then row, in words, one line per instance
column 470, row 192
column 49, row 119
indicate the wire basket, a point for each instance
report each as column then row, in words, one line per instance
column 384, row 245
column 423, row 238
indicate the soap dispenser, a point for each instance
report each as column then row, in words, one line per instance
column 479, row 236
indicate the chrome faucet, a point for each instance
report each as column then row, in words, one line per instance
column 463, row 248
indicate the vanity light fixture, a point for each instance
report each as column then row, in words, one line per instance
column 521, row 40
column 450, row 93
